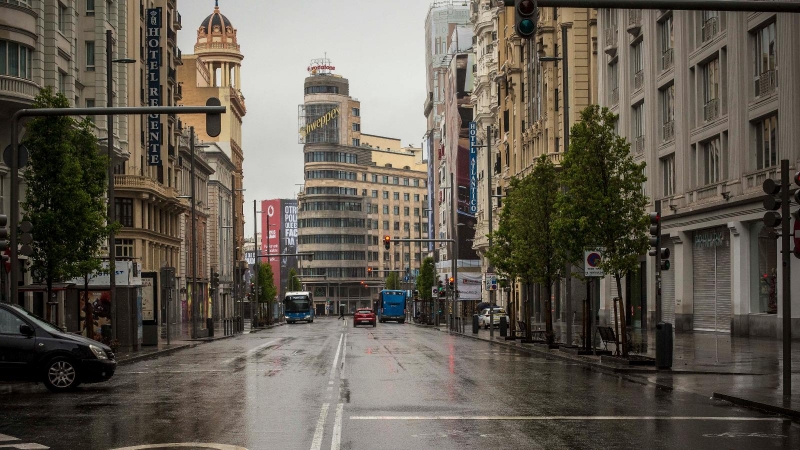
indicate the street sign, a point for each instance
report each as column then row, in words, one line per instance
column 434, row 291
column 490, row 282
column 591, row 260
column 473, row 168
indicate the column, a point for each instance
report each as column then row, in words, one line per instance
column 740, row 278
column 684, row 294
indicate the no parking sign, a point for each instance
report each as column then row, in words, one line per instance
column 591, row 262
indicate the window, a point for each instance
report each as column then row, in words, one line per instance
column 416, row 182
column 124, row 248
column 638, row 120
column 711, row 80
column 766, row 142
column 406, row 196
column 396, row 210
column 386, row 209
column 15, row 60
column 416, row 197
column 356, row 127
column 637, row 64
column 385, row 224
column 386, row 195
column 374, row 194
column 387, row 256
column 712, row 161
column 356, row 142
column 89, row 7
column 397, row 226
column 667, row 39
column 668, row 175
column 405, row 182
column 613, row 82
column 385, row 179
column 356, row 112
column 90, row 55
column 765, row 55
column 416, row 212
column 10, row 323
column 668, row 113
column 62, row 82
column 63, row 17
column 124, row 211
column 406, row 211
column 349, row 158
column 322, row 90
column 396, row 195
column 396, row 180
column 374, row 178
column 406, row 226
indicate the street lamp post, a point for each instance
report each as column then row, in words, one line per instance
column 112, row 257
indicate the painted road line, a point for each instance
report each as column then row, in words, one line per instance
column 588, row 418
column 251, row 351
column 25, row 446
column 336, row 441
column 316, row 443
column 336, row 358
column 6, row 438
column 344, row 354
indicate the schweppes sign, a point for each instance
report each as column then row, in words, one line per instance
column 320, row 122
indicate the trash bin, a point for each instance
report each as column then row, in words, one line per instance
column 664, row 345
column 210, row 326
column 475, row 324
column 105, row 332
column 503, row 326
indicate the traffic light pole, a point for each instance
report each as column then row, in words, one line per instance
column 786, row 279
column 685, row 5
column 658, row 267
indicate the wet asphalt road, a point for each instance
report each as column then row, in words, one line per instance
column 328, row 385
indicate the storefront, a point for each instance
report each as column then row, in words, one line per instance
column 711, row 258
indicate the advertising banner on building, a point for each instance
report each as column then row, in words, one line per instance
column 280, row 218
column 154, row 127
column 469, row 286
column 473, row 168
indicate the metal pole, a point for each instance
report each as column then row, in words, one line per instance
column 786, row 280
column 195, row 297
column 234, row 268
column 489, row 207
column 269, row 261
column 686, row 5
column 254, row 301
column 112, row 263
column 454, row 256
column 565, row 89
column 658, row 270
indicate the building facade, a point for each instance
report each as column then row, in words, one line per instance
column 279, row 216
column 358, row 188
column 707, row 100
column 221, row 256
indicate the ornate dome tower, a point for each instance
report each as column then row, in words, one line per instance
column 219, row 50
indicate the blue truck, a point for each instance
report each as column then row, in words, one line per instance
column 392, row 306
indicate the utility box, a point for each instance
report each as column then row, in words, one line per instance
column 664, row 345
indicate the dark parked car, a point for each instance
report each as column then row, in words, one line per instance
column 364, row 316
column 34, row 350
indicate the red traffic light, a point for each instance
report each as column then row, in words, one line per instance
column 526, row 7
column 797, row 178
column 655, row 218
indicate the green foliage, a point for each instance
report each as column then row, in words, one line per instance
column 393, row 281
column 294, row 284
column 427, row 278
column 65, row 191
column 266, row 284
column 603, row 205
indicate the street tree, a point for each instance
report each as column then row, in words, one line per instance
column 603, row 204
column 64, row 194
column 294, row 281
column 392, row 281
column 427, row 278
column 266, row 289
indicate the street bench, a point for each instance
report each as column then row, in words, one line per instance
column 607, row 335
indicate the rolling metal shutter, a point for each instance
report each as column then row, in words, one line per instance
column 712, row 280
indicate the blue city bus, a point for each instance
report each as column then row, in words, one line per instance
column 298, row 306
column 392, row 306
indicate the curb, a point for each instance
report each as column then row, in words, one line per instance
column 766, row 407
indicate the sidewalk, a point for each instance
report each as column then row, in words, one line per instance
column 180, row 343
column 744, row 371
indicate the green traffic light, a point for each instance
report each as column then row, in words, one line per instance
column 526, row 27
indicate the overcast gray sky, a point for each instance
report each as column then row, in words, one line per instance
column 377, row 44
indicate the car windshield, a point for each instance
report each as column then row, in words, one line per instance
column 39, row 321
column 296, row 304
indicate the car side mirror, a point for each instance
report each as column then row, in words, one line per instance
column 26, row 330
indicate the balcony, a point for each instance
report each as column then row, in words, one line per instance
column 638, row 145
column 638, row 80
column 634, row 21
column 611, row 42
column 177, row 57
column 18, row 89
column 710, row 29
column 556, row 158
column 711, row 110
column 766, row 83
column 176, row 21
column 179, row 92
column 172, row 37
column 667, row 59
column 142, row 183
column 171, row 73
column 706, row 193
column 669, row 131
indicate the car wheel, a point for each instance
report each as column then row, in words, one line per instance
column 61, row 374
column 401, row 321
column 310, row 321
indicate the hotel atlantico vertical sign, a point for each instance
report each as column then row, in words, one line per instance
column 154, row 127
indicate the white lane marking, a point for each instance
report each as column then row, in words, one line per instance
column 336, row 441
column 25, row 446
column 597, row 418
column 344, row 354
column 185, row 444
column 251, row 351
column 5, row 438
column 316, row 443
column 336, row 358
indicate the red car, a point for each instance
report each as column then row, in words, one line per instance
column 364, row 316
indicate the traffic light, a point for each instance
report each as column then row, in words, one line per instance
column 26, row 238
column 3, row 232
column 772, row 203
column 665, row 264
column 213, row 121
column 451, row 281
column 526, row 13
column 386, row 241
column 369, row 271
column 655, row 233
column 797, row 192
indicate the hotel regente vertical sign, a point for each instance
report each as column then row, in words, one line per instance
column 154, row 127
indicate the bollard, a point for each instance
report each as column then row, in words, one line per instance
column 664, row 345
column 210, row 326
column 475, row 325
column 503, row 326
